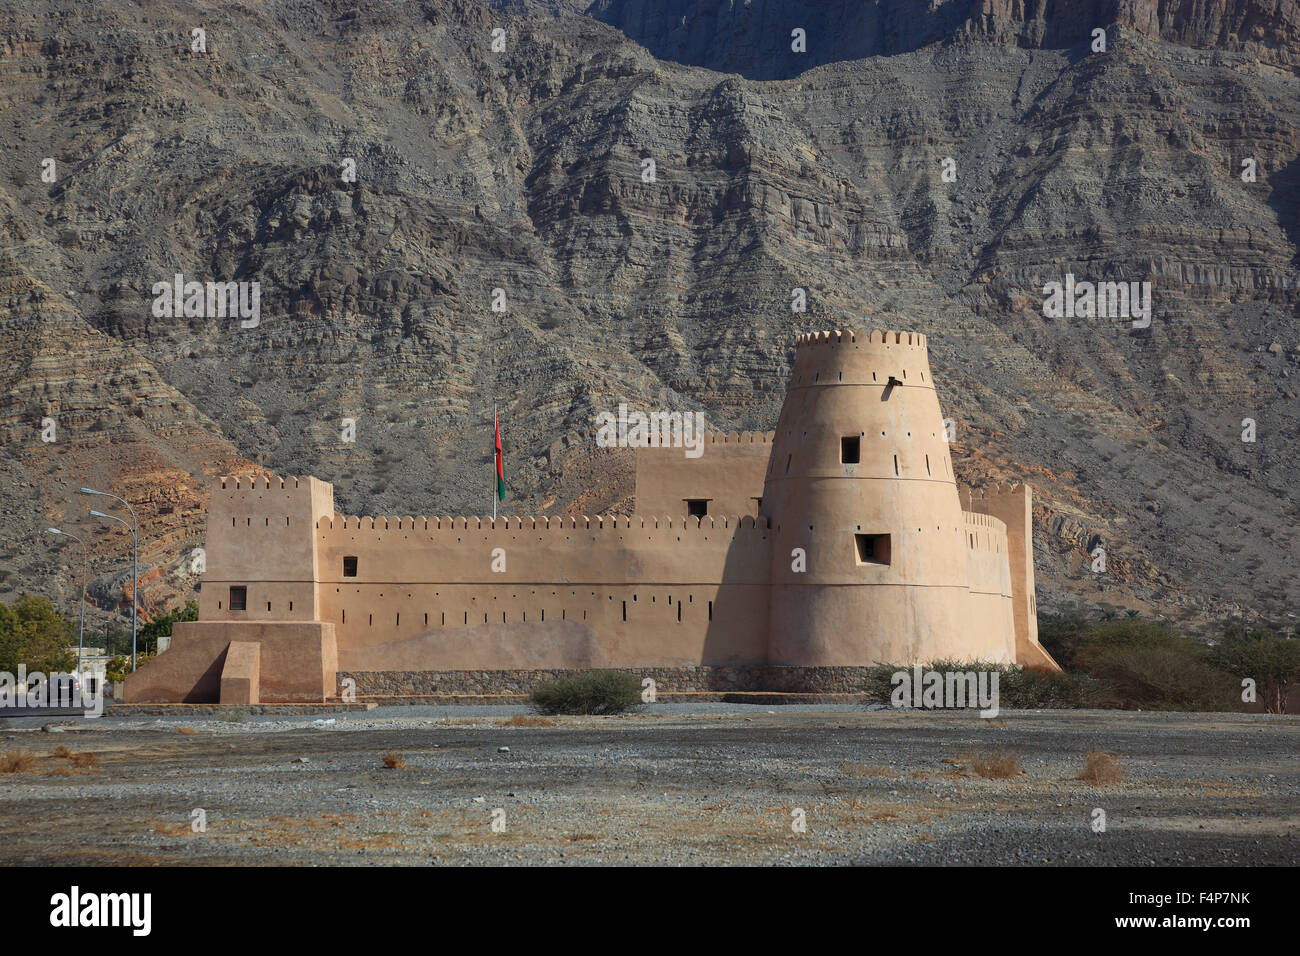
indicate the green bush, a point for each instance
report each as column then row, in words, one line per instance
column 33, row 633
column 589, row 692
column 1018, row 687
column 161, row 626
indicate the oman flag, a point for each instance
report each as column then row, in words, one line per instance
column 501, row 474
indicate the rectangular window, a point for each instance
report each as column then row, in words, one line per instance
column 697, row 507
column 850, row 449
column 350, row 566
column 872, row 548
column 238, row 598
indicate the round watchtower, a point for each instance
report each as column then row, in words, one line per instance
column 869, row 546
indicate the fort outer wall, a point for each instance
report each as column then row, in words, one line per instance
column 1013, row 506
column 860, row 483
column 538, row 593
column 322, row 593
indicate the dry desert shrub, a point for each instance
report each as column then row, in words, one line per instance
column 17, row 761
column 865, row 770
column 995, row 765
column 1101, row 767
column 520, row 720
column 85, row 761
column 393, row 761
column 186, row 730
column 62, row 751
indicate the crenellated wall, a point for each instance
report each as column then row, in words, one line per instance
column 834, row 542
column 990, row 579
column 473, row 593
column 1013, row 505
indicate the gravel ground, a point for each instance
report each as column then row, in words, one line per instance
column 678, row 784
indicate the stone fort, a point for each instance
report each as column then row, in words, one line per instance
column 785, row 561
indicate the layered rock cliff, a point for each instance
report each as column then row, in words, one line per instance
column 525, row 171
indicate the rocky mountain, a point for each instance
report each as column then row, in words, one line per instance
column 638, row 188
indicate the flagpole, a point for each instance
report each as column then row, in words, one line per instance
column 495, row 458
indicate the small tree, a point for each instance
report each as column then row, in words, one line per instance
column 119, row 668
column 161, row 626
column 1272, row 662
column 34, row 634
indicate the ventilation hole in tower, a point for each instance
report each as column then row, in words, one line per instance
column 895, row 464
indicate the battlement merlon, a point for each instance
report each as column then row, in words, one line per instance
column 877, row 359
column 515, row 524
column 850, row 337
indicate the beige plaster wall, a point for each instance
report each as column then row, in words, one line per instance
column 656, row 591
column 728, row 473
column 298, row 661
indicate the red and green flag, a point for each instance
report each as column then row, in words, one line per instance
column 501, row 474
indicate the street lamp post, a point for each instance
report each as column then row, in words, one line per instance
column 85, row 564
column 135, row 557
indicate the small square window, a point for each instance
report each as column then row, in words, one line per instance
column 850, row 449
column 238, row 598
column 350, row 566
column 697, row 507
column 872, row 548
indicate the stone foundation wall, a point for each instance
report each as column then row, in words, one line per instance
column 802, row 680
